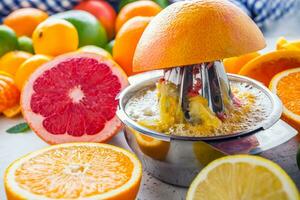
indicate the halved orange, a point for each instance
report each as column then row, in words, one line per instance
column 265, row 67
column 287, row 86
column 82, row 171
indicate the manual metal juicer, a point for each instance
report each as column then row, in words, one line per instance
column 168, row 41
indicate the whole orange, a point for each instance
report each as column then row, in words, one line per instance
column 138, row 8
column 29, row 66
column 11, row 61
column 25, row 20
column 103, row 11
column 126, row 42
column 54, row 37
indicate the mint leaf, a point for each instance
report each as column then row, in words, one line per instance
column 19, row 128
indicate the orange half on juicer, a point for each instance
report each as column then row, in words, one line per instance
column 189, row 40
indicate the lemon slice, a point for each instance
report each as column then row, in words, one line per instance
column 242, row 177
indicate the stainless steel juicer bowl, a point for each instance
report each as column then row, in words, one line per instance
column 177, row 159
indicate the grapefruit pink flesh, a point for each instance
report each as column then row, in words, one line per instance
column 73, row 98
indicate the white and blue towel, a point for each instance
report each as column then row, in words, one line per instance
column 261, row 11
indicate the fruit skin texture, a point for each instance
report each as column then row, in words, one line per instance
column 25, row 44
column 235, row 64
column 36, row 121
column 126, row 41
column 265, row 67
column 265, row 166
column 11, row 61
column 9, row 94
column 90, row 31
column 103, row 12
column 25, row 20
column 285, row 85
column 138, row 8
column 54, row 37
column 28, row 67
column 171, row 38
column 129, row 192
column 8, row 40
column 95, row 49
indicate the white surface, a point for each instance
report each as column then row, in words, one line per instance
column 13, row 146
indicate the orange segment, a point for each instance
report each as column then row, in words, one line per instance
column 9, row 94
column 264, row 67
column 12, row 111
column 287, row 86
column 235, row 64
column 75, row 171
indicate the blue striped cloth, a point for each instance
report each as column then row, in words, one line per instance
column 262, row 12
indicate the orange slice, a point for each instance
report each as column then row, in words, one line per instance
column 235, row 64
column 287, row 86
column 264, row 67
column 84, row 171
column 12, row 111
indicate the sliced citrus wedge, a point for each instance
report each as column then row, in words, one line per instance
column 287, row 86
column 242, row 177
column 264, row 67
column 82, row 171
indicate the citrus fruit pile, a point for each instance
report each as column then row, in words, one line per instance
column 278, row 70
column 29, row 37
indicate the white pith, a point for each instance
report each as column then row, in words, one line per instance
column 13, row 186
column 76, row 94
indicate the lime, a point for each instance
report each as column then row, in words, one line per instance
column 109, row 46
column 8, row 40
column 90, row 30
column 25, row 44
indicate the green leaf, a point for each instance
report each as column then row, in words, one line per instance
column 19, row 128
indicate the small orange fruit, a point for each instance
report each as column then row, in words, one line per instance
column 138, row 8
column 25, row 20
column 126, row 42
column 11, row 61
column 29, row 66
column 54, row 37
column 286, row 85
column 263, row 68
column 235, row 64
column 9, row 94
column 75, row 171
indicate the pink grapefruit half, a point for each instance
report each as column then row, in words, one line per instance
column 73, row 99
